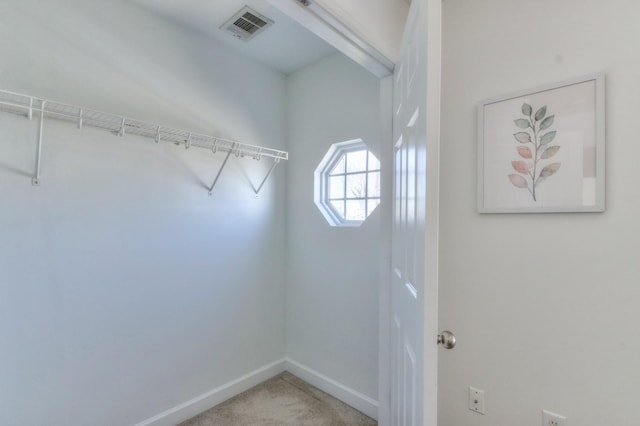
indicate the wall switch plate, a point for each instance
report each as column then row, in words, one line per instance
column 553, row 419
column 476, row 400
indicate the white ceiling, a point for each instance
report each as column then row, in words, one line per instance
column 285, row 46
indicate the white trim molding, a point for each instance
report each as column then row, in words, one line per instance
column 336, row 389
column 210, row 399
column 323, row 22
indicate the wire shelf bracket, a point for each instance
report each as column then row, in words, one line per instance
column 224, row 163
column 120, row 125
column 276, row 161
column 35, row 181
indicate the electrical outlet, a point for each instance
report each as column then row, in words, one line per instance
column 552, row 419
column 476, row 400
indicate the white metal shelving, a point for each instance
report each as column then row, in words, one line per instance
column 120, row 125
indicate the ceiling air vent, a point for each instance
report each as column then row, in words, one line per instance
column 246, row 24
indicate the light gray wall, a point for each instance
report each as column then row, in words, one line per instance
column 332, row 273
column 126, row 289
column 545, row 306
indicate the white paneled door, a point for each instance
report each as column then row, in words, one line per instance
column 415, row 220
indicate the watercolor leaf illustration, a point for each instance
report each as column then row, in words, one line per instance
column 521, row 167
column 525, row 152
column 518, row 181
column 549, row 152
column 547, row 122
column 534, row 146
column 549, row 170
column 523, row 137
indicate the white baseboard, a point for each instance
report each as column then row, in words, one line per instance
column 345, row 394
column 209, row 399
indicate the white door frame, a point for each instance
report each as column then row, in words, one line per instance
column 434, row 64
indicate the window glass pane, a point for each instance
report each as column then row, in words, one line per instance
column 374, row 163
column 372, row 204
column 373, row 187
column 357, row 161
column 336, row 186
column 355, row 210
column 339, row 207
column 349, row 182
column 338, row 168
column 356, row 185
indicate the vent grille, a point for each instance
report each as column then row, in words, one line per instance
column 246, row 24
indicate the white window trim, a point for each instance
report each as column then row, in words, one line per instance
column 321, row 182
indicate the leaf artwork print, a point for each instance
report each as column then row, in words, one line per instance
column 535, row 148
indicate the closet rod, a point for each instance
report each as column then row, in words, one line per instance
column 120, row 125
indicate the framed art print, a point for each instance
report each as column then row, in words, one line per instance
column 542, row 150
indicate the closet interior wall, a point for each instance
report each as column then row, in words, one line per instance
column 126, row 289
column 333, row 273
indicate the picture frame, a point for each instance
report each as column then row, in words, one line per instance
column 542, row 150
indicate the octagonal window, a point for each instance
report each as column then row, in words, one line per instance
column 347, row 183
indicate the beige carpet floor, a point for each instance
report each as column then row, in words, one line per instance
column 283, row 400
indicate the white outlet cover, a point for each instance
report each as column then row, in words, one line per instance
column 476, row 400
column 553, row 419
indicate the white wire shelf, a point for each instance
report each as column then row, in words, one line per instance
column 121, row 125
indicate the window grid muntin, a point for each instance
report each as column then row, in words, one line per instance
column 366, row 172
